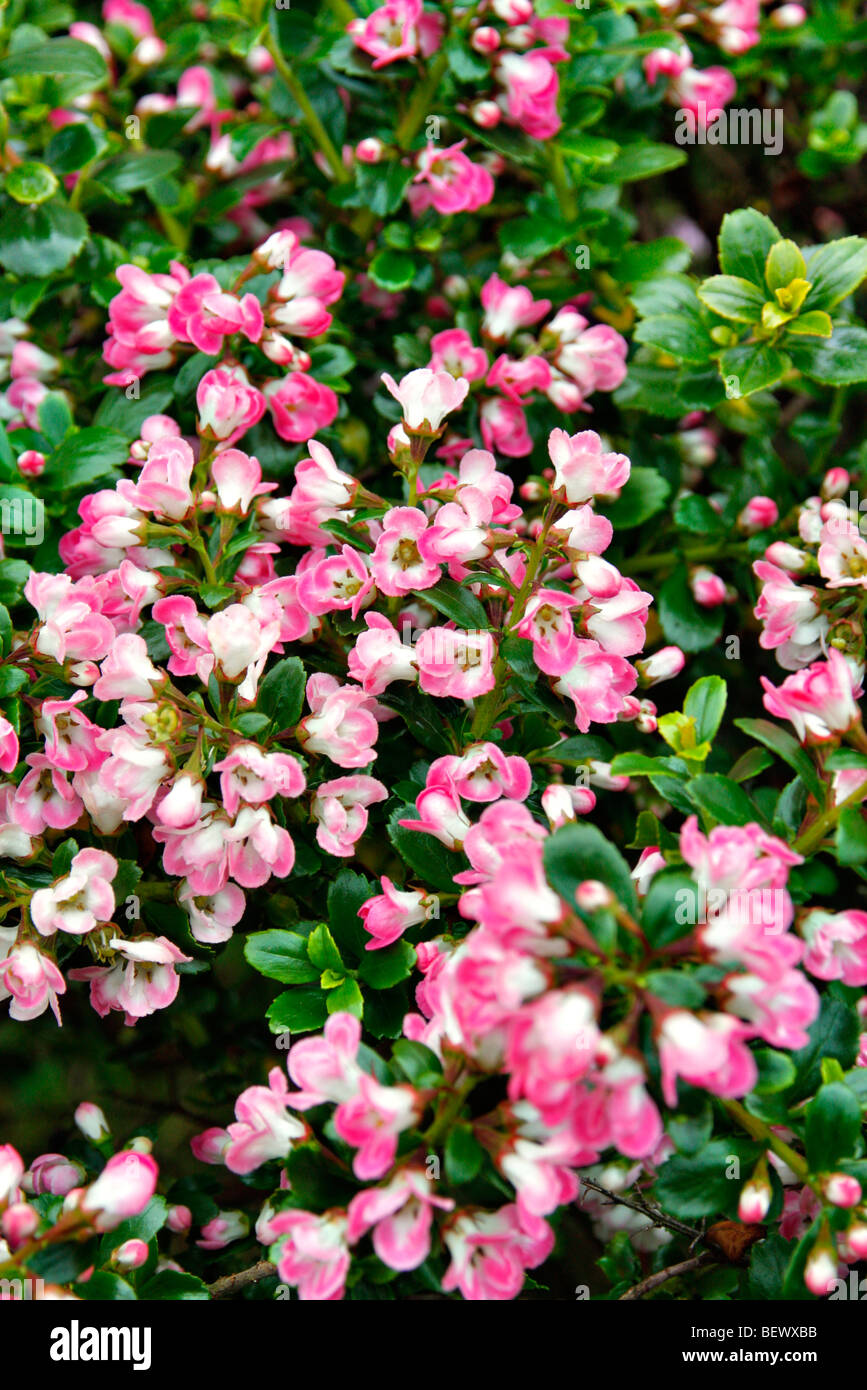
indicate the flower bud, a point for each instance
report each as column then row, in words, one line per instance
column 821, row 1267
column 755, row 1198
column 835, row 483
column 179, row 1219
column 486, row 114
column 661, row 666
column 758, row 514
column 123, row 1188
column 91, row 1121
column 594, row 896
column 708, row 589
column 788, row 16
column 131, row 1255
column 841, row 1190
column 18, row 1224
column 370, row 150
column 787, row 556
column 31, row 463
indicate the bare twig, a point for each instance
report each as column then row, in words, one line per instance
column 654, row 1215
column 653, row 1281
column 231, row 1283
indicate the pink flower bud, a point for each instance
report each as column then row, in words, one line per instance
column 841, row 1190
column 788, row 16
column 835, row 482
column 821, row 1268
column 661, row 666
column 91, row 1121
column 856, row 1239
column 593, row 896
column 179, row 1219
column 18, row 1224
column 486, row 39
column 758, row 514
column 486, row 114
column 131, row 1255
column 708, row 589
column 787, row 556
column 369, row 151
column 31, row 463
column 755, row 1198
column 123, row 1188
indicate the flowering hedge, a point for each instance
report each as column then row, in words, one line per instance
column 432, row 632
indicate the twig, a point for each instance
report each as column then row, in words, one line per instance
column 656, row 1217
column 231, row 1283
column 653, row 1281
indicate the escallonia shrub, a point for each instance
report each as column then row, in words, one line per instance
column 432, row 639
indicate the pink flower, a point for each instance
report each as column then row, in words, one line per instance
column 531, row 88
column 127, row 672
column 228, row 405
column 222, row 1229
column 9, row 743
column 248, row 774
column 336, row 583
column 340, row 810
column 706, row 1050
column 453, row 351
column 663, row 665
column 11, row 1173
column 426, row 398
column 397, row 29
column 53, row 1173
column 397, row 564
column 708, row 589
column 371, row 1121
column 508, row 308
column 324, row 1067
column 240, row 643
column 81, row 900
column 483, row 773
column 794, row 625
column 819, row 700
column 490, row 1251
column 238, row 479
column 453, row 662
column 32, row 980
column 311, row 1253
column 73, row 627
column 186, row 635
column 43, row 797
column 141, row 981
column 262, row 1130
column 380, row 656
column 780, row 1010
column 300, row 406
column 836, row 945
column 213, row 916
column 341, row 725
column 123, row 1189
column 258, row 848
column 138, row 317
column 440, row 814
column 581, row 469
column 547, row 622
column 401, row 1215
column 504, row 428
column 70, row 737
column 451, row 182
column 388, row 915
column 597, row 683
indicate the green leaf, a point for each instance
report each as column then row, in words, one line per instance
column 387, row 967
column 105, row 1287
column 705, row 703
column 347, row 893
column 280, row 955
column 834, row 1033
column 673, row 987
column 577, row 852
column 30, row 183
column 175, row 1285
column 836, row 361
column 732, row 298
column 70, row 148
column 835, row 270
column 776, row 1071
column 142, row 1227
column 322, row 950
column 12, row 679
column 768, row 1263
column 40, row 240
column 430, row 859
column 785, row 263
column 456, row 603
column 281, row 693
column 850, row 836
column 833, row 1126
column 84, row 456
column 694, row 513
column 464, row 1155
column 392, row 270
column 685, row 623
column 756, row 367
column 745, row 240
column 641, row 161
column 346, row 998
column 298, row 1010
column 721, row 799
column 684, row 338
column 671, row 907
column 60, row 1264
column 693, row 1185
column 786, row 747
column 645, row 493
column 135, row 171
column 56, row 58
